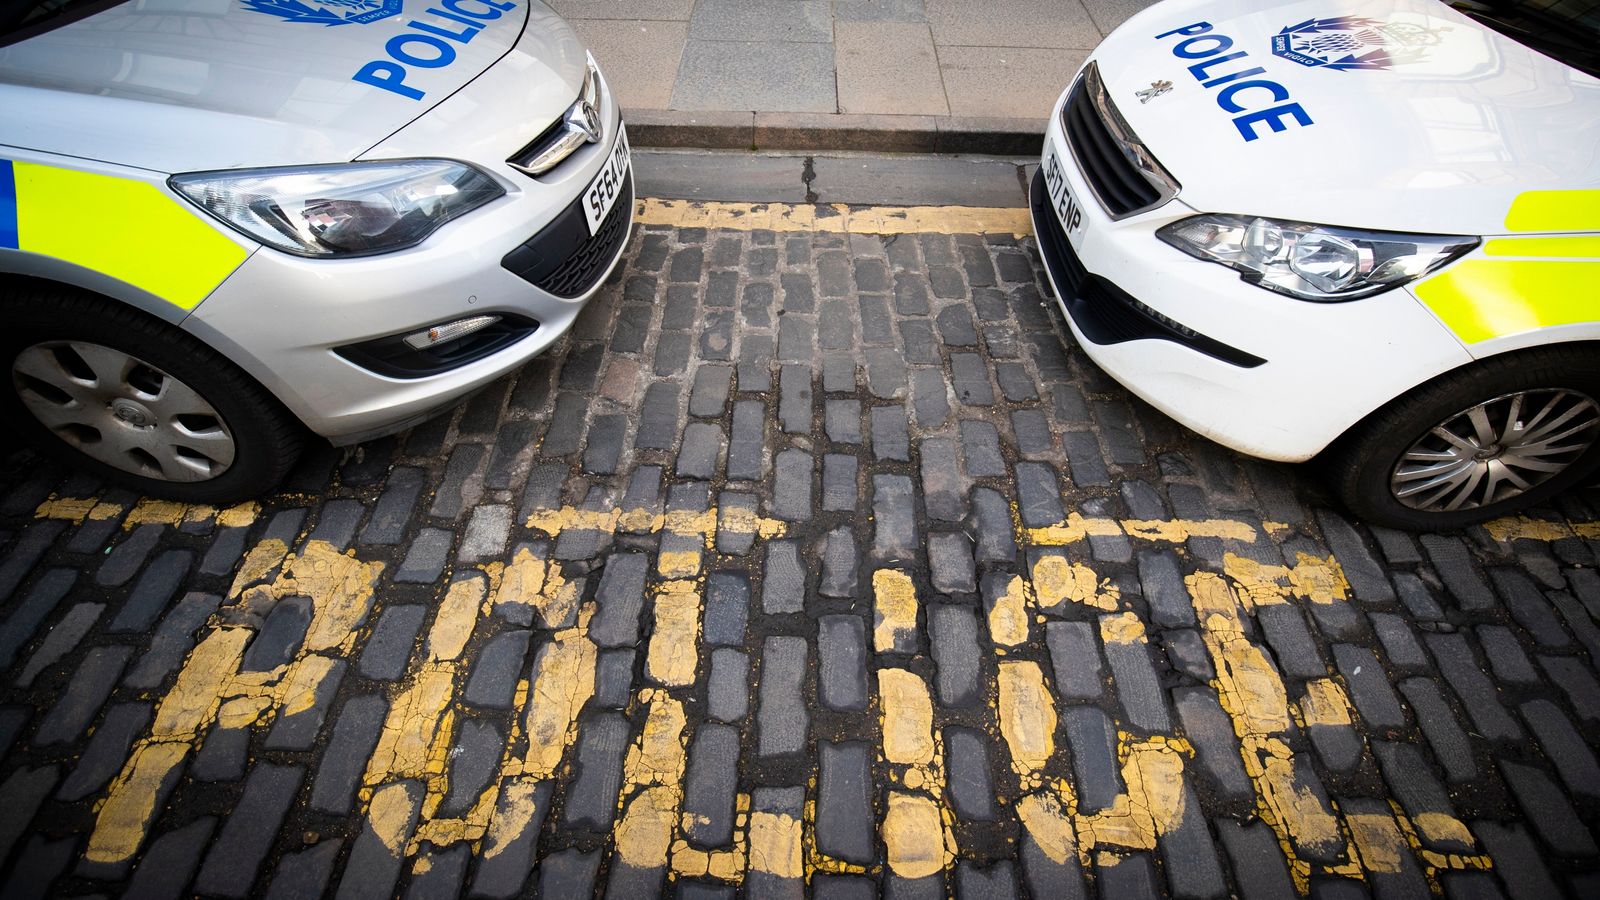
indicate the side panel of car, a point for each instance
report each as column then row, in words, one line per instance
column 112, row 231
column 1535, row 285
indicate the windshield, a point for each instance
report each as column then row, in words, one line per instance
column 25, row 18
column 1567, row 31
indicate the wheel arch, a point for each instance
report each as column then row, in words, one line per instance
column 1502, row 358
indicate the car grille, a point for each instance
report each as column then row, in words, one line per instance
column 1103, row 156
column 563, row 259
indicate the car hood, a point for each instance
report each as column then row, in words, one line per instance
column 185, row 85
column 1406, row 115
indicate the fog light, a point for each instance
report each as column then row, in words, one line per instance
column 441, row 334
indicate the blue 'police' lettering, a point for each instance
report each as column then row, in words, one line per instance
column 1201, row 42
column 459, row 21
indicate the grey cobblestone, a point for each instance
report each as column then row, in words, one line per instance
column 473, row 762
column 1477, row 692
column 842, row 661
column 60, row 640
column 839, row 563
column 107, row 750
column 425, row 559
column 943, row 488
column 793, row 473
column 845, row 828
column 842, row 421
column 794, row 399
column 995, row 542
column 1075, row 660
column 241, row 846
column 890, row 441
column 1215, row 744
column 393, row 638
column 953, row 634
column 839, row 475
column 930, row 398
column 494, row 674
column 1563, row 746
column 591, row 802
column 156, row 587
column 1093, row 739
column 747, row 452
column 782, row 721
column 613, row 679
column 1445, row 735
column 971, row 789
column 620, row 598
column 895, row 529
column 78, row 705
column 783, row 590
column 171, row 860
column 951, row 564
column 710, row 785
column 728, row 693
column 1138, row 687
column 1548, row 810
column 355, row 733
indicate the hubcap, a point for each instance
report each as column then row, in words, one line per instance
column 1496, row 450
column 122, row 411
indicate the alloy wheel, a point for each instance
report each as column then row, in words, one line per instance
column 1496, row 450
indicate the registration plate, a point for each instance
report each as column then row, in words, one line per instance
column 1066, row 205
column 607, row 187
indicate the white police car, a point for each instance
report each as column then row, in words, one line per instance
column 221, row 220
column 1365, row 230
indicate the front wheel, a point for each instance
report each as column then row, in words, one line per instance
column 1478, row 443
column 108, row 389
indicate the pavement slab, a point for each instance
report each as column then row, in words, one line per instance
column 911, row 600
column 950, row 76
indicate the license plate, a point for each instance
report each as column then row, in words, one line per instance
column 1066, row 205
column 607, row 187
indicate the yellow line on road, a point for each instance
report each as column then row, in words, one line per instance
column 834, row 218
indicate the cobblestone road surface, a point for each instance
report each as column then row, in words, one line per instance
column 813, row 558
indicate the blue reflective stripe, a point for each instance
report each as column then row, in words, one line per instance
column 8, row 206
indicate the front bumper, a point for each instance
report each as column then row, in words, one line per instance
column 282, row 317
column 1261, row 373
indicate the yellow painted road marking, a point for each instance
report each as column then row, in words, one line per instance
column 835, row 218
column 894, row 612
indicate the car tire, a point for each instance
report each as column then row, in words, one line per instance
column 1396, row 467
column 104, row 387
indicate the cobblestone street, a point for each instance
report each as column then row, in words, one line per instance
column 816, row 561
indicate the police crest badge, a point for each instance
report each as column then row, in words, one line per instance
column 1354, row 42
column 326, row 12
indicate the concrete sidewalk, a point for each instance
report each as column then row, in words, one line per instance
column 950, row 76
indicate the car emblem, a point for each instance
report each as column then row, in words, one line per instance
column 1156, row 89
column 584, row 119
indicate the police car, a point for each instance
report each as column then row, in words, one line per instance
column 1363, row 231
column 225, row 223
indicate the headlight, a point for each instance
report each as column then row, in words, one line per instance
column 351, row 209
column 1313, row 262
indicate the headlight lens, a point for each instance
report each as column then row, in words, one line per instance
column 1313, row 262
column 353, row 209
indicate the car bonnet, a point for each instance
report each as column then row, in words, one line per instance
column 184, row 85
column 1388, row 114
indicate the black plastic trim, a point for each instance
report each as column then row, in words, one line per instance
column 392, row 357
column 563, row 258
column 1103, row 312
